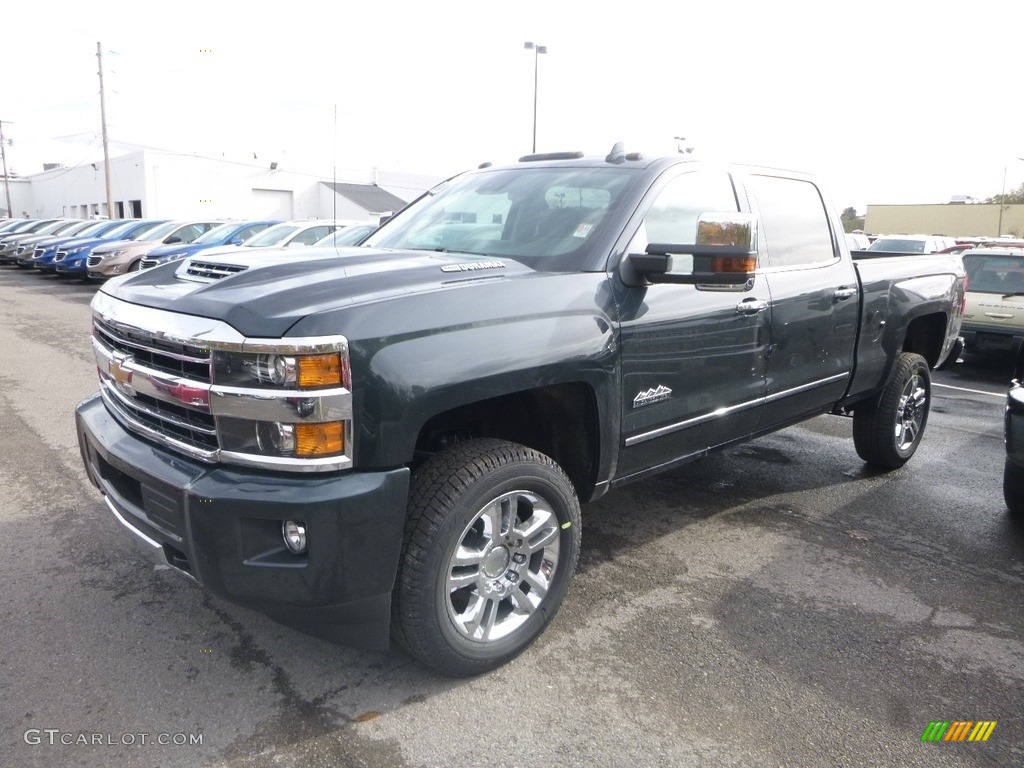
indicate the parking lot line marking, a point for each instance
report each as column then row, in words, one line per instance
column 1000, row 395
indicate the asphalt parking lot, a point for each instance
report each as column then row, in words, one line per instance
column 777, row 604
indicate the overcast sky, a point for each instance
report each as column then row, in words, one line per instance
column 890, row 102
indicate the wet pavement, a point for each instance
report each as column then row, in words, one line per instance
column 777, row 604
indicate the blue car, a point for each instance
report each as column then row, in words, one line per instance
column 232, row 233
column 70, row 258
column 49, row 250
column 26, row 249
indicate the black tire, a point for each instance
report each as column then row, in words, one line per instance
column 1013, row 489
column 517, row 579
column 888, row 428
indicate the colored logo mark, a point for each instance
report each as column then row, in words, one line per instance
column 958, row 730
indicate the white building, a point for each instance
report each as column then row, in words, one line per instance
column 155, row 184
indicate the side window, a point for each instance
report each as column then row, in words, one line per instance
column 673, row 216
column 796, row 228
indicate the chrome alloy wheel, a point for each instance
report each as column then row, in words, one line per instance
column 911, row 412
column 503, row 566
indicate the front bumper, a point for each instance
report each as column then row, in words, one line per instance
column 71, row 267
column 222, row 527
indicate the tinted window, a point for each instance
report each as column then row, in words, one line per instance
column 673, row 216
column 988, row 273
column 898, row 245
column 796, row 228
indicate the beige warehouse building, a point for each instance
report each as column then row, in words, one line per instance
column 953, row 219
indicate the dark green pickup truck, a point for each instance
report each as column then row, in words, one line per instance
column 393, row 441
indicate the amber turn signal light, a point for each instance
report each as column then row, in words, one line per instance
column 319, row 370
column 320, row 439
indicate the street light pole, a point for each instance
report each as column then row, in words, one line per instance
column 1002, row 202
column 537, row 50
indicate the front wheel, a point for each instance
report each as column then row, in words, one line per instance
column 1013, row 489
column 887, row 429
column 489, row 550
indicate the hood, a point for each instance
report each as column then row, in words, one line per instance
column 78, row 242
column 177, row 249
column 116, row 245
column 265, row 292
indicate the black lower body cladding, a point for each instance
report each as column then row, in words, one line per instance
column 222, row 527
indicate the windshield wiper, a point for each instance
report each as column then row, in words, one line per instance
column 1015, row 293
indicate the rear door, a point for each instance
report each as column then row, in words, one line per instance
column 814, row 290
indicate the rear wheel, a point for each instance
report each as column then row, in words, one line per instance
column 490, row 548
column 887, row 429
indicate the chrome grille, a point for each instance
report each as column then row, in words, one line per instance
column 147, row 263
column 94, row 261
column 61, row 255
column 176, row 359
column 185, row 425
column 171, row 378
column 205, row 270
column 38, row 253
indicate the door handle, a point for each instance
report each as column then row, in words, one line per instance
column 842, row 294
column 751, row 307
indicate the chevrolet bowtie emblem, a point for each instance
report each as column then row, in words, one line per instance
column 121, row 375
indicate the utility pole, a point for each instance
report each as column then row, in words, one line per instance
column 106, row 146
column 7, row 186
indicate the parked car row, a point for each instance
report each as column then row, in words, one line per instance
column 103, row 249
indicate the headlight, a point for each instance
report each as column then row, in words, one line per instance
column 111, row 254
column 281, row 371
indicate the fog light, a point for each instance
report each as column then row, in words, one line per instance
column 294, row 536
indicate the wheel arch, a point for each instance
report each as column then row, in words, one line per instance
column 561, row 421
column 926, row 335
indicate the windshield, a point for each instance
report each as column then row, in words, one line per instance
column 271, row 236
column 988, row 273
column 144, row 232
column 57, row 227
column 78, row 228
column 161, row 230
column 121, row 230
column 93, row 228
column 217, row 234
column 353, row 235
column 534, row 215
column 897, row 245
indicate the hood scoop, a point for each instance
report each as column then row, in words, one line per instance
column 208, row 271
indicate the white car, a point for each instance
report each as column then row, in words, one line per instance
column 287, row 234
column 912, row 243
column 993, row 319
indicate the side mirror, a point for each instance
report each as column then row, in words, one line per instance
column 236, row 240
column 172, row 240
column 725, row 253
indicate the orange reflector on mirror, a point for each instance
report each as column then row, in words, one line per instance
column 745, row 264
